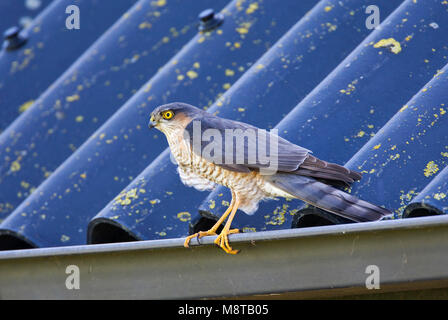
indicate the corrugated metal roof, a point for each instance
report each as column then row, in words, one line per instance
column 20, row 13
column 50, row 49
column 78, row 164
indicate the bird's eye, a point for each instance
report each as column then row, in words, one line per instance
column 167, row 115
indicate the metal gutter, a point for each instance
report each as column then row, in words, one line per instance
column 320, row 261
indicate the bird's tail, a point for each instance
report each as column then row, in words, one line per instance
column 328, row 198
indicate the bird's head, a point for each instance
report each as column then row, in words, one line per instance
column 171, row 116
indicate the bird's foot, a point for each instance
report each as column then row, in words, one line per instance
column 199, row 235
column 223, row 241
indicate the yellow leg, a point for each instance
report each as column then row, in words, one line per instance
column 212, row 231
column 222, row 240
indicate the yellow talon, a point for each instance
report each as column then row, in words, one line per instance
column 199, row 235
column 223, row 241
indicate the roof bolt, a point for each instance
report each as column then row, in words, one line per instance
column 13, row 39
column 210, row 20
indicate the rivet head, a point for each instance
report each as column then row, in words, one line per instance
column 13, row 39
column 11, row 33
column 210, row 20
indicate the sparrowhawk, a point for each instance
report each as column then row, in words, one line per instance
column 204, row 162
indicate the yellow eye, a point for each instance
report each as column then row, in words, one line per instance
column 167, row 115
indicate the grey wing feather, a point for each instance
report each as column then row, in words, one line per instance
column 328, row 198
column 288, row 155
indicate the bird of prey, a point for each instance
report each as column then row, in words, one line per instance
column 298, row 174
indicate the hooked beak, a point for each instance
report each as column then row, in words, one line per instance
column 152, row 123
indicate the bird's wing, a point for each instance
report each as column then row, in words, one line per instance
column 251, row 148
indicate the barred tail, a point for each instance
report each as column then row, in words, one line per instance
column 328, row 198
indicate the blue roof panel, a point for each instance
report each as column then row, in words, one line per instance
column 20, row 13
column 198, row 74
column 89, row 92
column 262, row 97
column 329, row 84
column 49, row 50
column 433, row 199
column 355, row 100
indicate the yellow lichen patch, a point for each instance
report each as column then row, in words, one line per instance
column 148, row 87
column 249, row 229
column 124, row 198
column 241, row 109
column 252, row 7
column 377, row 147
column 444, row 154
column 439, row 196
column 64, row 238
column 79, row 119
column 26, row 106
column 83, row 175
column 361, row 134
column 159, row 3
column 180, row 77
column 404, row 108
column 431, row 168
column 229, row 72
column 331, row 27
column 184, row 216
column 144, row 25
column 244, row 28
column 237, row 45
column 279, row 215
column 201, row 39
column 328, row 8
column 192, row 74
column 226, row 86
column 438, row 73
column 154, row 201
column 350, row 88
column 408, row 38
column 72, row 98
column 212, row 204
column 395, row 156
column 25, row 185
column 15, row 166
column 392, row 44
column 196, row 65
